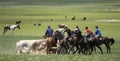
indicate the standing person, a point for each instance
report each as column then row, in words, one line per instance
column 97, row 33
column 49, row 32
column 89, row 34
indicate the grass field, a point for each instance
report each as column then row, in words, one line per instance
column 30, row 15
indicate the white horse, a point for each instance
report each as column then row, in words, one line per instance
column 10, row 27
column 25, row 46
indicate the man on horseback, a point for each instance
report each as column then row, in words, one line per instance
column 97, row 33
column 49, row 32
column 60, row 29
column 77, row 32
column 68, row 31
column 89, row 34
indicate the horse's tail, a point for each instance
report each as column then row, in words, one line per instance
column 112, row 41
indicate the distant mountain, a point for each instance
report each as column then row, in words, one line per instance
column 56, row 2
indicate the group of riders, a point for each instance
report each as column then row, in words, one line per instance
column 74, row 38
column 76, row 32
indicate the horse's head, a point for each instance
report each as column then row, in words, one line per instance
column 18, row 22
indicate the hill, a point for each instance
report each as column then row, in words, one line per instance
column 57, row 2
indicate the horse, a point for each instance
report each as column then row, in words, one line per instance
column 74, row 40
column 104, row 40
column 10, row 27
column 73, row 18
column 61, row 43
column 50, row 43
column 84, row 18
column 96, row 42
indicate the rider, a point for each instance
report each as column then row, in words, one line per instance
column 77, row 32
column 49, row 32
column 60, row 29
column 89, row 34
column 97, row 33
column 68, row 31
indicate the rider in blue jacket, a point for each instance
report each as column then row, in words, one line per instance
column 98, row 32
column 49, row 32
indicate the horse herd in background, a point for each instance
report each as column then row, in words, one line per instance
column 17, row 24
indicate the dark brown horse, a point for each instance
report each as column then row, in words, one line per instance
column 89, row 46
column 61, row 43
column 106, row 41
column 74, row 40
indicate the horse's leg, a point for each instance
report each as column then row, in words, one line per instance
column 12, row 32
column 66, row 47
column 17, row 49
column 29, row 49
column 77, row 48
column 94, row 49
column 100, row 49
column 80, row 50
column 4, row 31
column 48, row 50
column 91, row 49
column 108, row 45
column 108, row 48
column 85, row 49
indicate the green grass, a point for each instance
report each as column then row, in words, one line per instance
column 99, row 57
column 30, row 15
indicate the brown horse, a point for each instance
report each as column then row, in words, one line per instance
column 57, row 40
column 50, row 43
